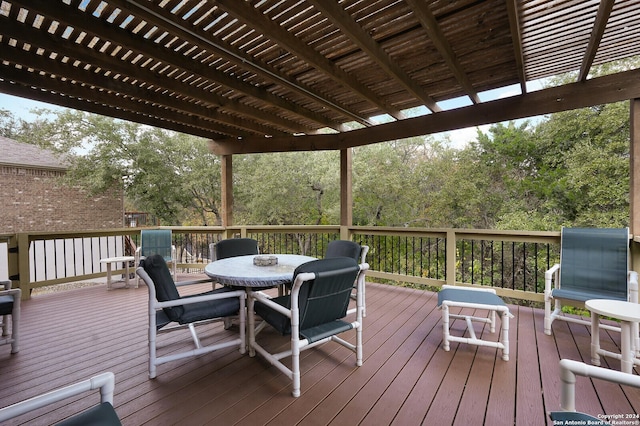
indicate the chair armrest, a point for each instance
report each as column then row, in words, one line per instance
column 5, row 284
column 192, row 282
column 551, row 277
column 363, row 254
column 570, row 368
column 265, row 299
column 14, row 292
column 197, row 299
column 105, row 382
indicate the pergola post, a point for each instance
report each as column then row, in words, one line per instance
column 346, row 192
column 226, row 190
column 634, row 179
column 634, row 166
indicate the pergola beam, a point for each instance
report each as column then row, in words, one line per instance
column 601, row 90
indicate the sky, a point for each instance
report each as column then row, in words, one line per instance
column 21, row 107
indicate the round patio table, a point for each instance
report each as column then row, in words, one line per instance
column 240, row 271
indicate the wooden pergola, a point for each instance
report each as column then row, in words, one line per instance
column 290, row 75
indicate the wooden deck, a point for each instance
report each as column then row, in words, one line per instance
column 406, row 379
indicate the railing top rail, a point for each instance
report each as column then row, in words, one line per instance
column 44, row 235
column 272, row 228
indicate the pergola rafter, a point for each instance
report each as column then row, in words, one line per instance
column 243, row 73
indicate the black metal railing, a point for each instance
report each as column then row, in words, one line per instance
column 513, row 261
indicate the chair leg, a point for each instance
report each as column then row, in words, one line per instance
column 364, row 300
column 5, row 325
column 15, row 324
column 547, row 315
column 492, row 321
column 359, row 345
column 505, row 334
column 295, row 350
column 595, row 339
column 194, row 336
column 550, row 316
column 152, row 345
column 445, row 327
column 295, row 364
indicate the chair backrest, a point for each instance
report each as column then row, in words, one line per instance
column 156, row 241
column 6, row 304
column 326, row 298
column 343, row 248
column 156, row 268
column 595, row 259
column 233, row 247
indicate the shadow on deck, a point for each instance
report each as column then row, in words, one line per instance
column 406, row 378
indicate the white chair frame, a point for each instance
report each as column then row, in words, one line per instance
column 354, row 296
column 569, row 369
column 12, row 338
column 552, row 313
column 104, row 381
column 155, row 305
column 297, row 344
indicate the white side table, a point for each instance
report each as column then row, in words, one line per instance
column 629, row 315
column 117, row 259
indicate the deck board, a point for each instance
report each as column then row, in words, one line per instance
column 406, row 378
column 529, row 399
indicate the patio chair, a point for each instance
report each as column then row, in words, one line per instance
column 568, row 371
column 346, row 248
column 166, row 306
column 312, row 314
column 102, row 414
column 157, row 241
column 10, row 307
column 232, row 247
column 594, row 264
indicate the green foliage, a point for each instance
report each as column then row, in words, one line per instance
column 287, row 188
column 386, row 182
column 571, row 168
column 584, row 166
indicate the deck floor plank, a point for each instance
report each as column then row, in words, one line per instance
column 474, row 401
column 501, row 403
column 406, row 378
column 529, row 402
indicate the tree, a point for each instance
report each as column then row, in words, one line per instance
column 287, row 188
column 584, row 177
column 387, row 182
column 170, row 175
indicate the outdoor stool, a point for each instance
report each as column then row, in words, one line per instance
column 474, row 298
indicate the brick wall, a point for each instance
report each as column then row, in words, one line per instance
column 35, row 200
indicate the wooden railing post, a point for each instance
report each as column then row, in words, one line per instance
column 24, row 275
column 451, row 257
column 13, row 269
column 345, row 233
